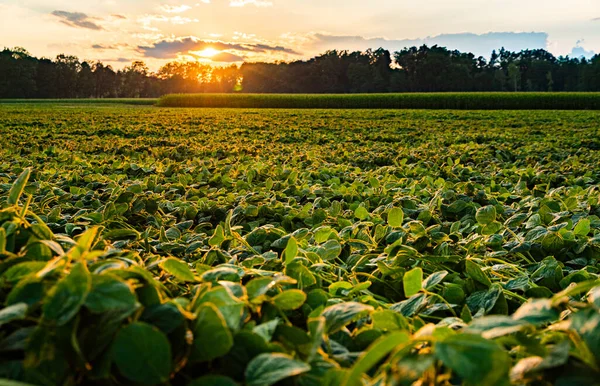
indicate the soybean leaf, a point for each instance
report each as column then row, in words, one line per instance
column 228, row 305
column 290, row 299
column 395, row 217
column 330, row 250
column 122, row 234
column 389, row 320
column 67, row 296
column 533, row 221
column 538, row 311
column 142, row 353
column 361, row 213
column 373, row 354
column 587, row 325
column 17, row 187
column 316, row 331
column 495, row 326
column 86, row 240
column 2, row 240
column 212, row 338
column 167, row 317
column 583, row 227
column 179, row 269
column 30, row 291
column 13, row 312
column 291, row 250
column 259, row 286
column 412, row 281
column 266, row 330
column 339, row 315
column 322, row 234
column 218, row 237
column 301, row 273
column 527, row 367
column 475, row 273
column 19, row 271
column 434, row 279
column 269, row 368
column 491, row 228
column 485, row 301
column 486, row 215
column 109, row 293
column 552, row 241
column 476, row 360
column 411, row 306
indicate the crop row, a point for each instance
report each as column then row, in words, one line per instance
column 454, row 101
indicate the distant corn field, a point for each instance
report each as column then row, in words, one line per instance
column 458, row 101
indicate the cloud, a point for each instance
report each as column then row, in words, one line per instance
column 226, row 57
column 579, row 52
column 166, row 49
column 119, row 17
column 265, row 48
column 596, row 19
column 118, row 60
column 175, row 8
column 147, row 20
column 77, row 20
column 241, row 35
column 258, row 3
column 182, row 20
column 467, row 42
column 109, row 46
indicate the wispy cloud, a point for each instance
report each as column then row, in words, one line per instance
column 596, row 19
column 117, row 60
column 77, row 20
column 467, row 42
column 175, row 8
column 109, row 46
column 258, row 3
column 147, row 20
column 166, row 49
column 241, row 35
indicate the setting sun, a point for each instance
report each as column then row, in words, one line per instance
column 208, row 52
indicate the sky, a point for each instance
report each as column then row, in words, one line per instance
column 221, row 32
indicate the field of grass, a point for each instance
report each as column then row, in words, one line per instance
column 152, row 246
column 453, row 101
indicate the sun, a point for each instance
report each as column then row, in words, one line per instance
column 208, row 52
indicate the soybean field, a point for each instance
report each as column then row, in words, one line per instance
column 144, row 245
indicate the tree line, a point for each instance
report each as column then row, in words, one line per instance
column 415, row 69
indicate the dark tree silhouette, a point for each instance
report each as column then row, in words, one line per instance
column 415, row 69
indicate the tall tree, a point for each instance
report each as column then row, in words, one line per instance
column 17, row 73
column 67, row 68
